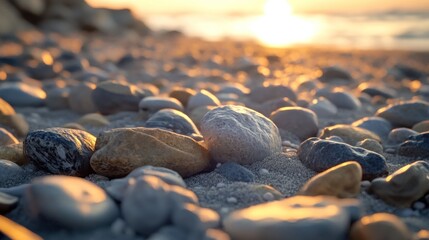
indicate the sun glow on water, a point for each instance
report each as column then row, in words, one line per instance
column 279, row 27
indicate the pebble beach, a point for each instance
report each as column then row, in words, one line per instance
column 114, row 131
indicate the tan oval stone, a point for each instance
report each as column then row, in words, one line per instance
column 404, row 186
column 350, row 134
column 342, row 181
column 119, row 151
column 380, row 226
column 421, row 126
column 14, row 153
column 94, row 120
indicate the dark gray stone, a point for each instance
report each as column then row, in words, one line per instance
column 9, row 171
column 399, row 135
column 405, row 114
column 60, row 150
column 344, row 100
column 415, row 146
column 334, row 73
column 320, row 155
column 379, row 91
column 175, row 121
column 7, row 202
column 235, row 172
column 377, row 125
column 22, row 95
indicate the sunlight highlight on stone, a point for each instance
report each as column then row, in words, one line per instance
column 278, row 27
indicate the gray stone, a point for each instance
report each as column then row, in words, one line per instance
column 79, row 204
column 399, row 135
column 320, row 155
column 60, row 150
column 344, row 100
column 300, row 121
column 267, row 93
column 292, row 218
column 378, row 91
column 323, row 108
column 9, row 171
column 235, row 172
column 22, row 95
column 415, row 146
column 202, row 98
column 154, row 104
column 377, row 125
column 239, row 134
column 371, row 145
column 334, row 73
column 80, row 98
column 270, row 106
column 405, row 114
column 57, row 98
column 175, row 121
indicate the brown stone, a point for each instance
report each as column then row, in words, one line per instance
column 119, row 151
column 13, row 153
column 404, row 186
column 342, row 181
column 380, row 226
column 421, row 126
column 350, row 134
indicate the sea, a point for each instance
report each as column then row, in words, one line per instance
column 388, row 30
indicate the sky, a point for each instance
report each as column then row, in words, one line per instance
column 256, row 6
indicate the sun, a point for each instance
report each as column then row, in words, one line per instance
column 279, row 27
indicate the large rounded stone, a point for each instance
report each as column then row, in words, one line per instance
column 295, row 218
column 60, row 150
column 405, row 114
column 79, row 204
column 175, row 121
column 380, row 226
column 299, row 121
column 239, row 134
column 112, row 97
column 342, row 181
column 350, row 134
column 399, row 135
column 404, row 186
column 320, row 155
column 119, row 151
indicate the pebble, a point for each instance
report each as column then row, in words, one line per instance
column 371, row 145
column 419, row 205
column 175, row 121
column 75, row 202
column 182, row 94
column 7, row 138
column 268, row 196
column 239, row 134
column 342, row 181
column 377, row 91
column 200, row 99
column 350, row 134
column 14, row 153
column 290, row 218
column 266, row 93
column 399, row 135
column 405, row 114
column 80, row 98
column 344, row 100
column 335, row 73
column 301, row 122
column 320, row 155
column 167, row 175
column 422, row 126
column 415, row 146
column 377, row 125
column 192, row 218
column 7, row 203
column 323, row 108
column 263, row 171
column 380, row 226
column 121, row 150
column 235, row 172
column 60, row 150
column 404, row 186
column 151, row 105
column 93, row 120
column 112, row 97
column 57, row 98
column 22, row 95
column 9, row 171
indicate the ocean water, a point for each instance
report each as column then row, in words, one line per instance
column 390, row 30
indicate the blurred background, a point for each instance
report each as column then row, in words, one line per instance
column 361, row 24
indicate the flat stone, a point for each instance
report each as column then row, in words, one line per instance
column 399, row 135
column 22, row 95
column 80, row 98
column 415, row 146
column 301, row 122
column 60, row 150
column 239, row 134
column 200, row 99
column 175, row 121
column 154, row 104
column 350, row 134
column 267, row 93
column 121, row 150
column 342, row 181
column 235, row 172
column 377, row 125
column 79, row 204
column 13, row 153
column 7, row 138
column 112, row 97
column 405, row 114
column 320, row 155
column 380, row 226
column 403, row 187
column 291, row 219
column 7, row 203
